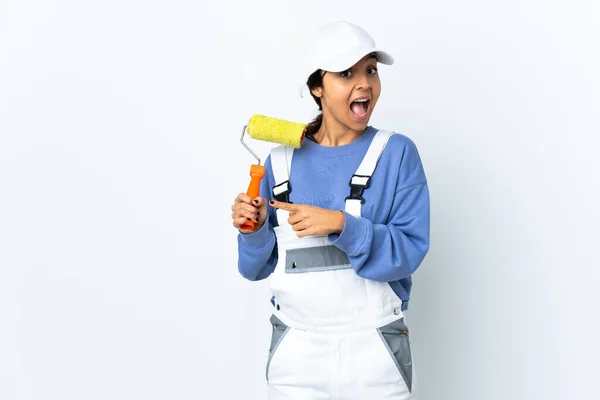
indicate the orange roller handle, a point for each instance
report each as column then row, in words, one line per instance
column 257, row 172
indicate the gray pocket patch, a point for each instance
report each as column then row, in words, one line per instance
column 278, row 333
column 396, row 338
column 313, row 259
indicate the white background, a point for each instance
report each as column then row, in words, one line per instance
column 120, row 158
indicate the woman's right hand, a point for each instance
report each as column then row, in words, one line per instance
column 246, row 209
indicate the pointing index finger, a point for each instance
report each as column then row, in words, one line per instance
column 284, row 206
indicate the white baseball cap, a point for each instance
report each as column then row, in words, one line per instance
column 338, row 46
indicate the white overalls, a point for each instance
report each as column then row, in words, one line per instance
column 335, row 335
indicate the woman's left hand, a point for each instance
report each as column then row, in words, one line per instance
column 310, row 220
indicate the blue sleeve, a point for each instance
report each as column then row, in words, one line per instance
column 257, row 252
column 394, row 250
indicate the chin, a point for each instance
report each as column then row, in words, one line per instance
column 358, row 126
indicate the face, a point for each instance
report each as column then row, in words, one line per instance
column 349, row 97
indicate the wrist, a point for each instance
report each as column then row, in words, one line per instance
column 340, row 221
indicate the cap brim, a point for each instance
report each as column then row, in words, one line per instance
column 346, row 61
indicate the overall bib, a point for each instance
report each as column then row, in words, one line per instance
column 335, row 335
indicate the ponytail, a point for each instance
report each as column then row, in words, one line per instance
column 313, row 127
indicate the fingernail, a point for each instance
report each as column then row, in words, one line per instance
column 271, row 202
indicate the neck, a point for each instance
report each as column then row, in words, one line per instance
column 332, row 133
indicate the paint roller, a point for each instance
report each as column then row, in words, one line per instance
column 268, row 129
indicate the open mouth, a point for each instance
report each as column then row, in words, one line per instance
column 360, row 107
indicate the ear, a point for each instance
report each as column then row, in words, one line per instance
column 318, row 92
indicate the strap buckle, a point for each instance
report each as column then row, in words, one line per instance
column 282, row 191
column 358, row 183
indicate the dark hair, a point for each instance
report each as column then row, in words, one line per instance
column 314, row 80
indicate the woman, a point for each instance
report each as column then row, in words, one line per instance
column 340, row 226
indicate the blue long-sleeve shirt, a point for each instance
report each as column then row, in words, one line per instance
column 387, row 242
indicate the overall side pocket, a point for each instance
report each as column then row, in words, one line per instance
column 279, row 330
column 396, row 339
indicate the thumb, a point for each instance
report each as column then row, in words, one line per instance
column 259, row 201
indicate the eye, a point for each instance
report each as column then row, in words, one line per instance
column 372, row 71
column 345, row 74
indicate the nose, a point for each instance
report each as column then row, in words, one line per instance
column 363, row 81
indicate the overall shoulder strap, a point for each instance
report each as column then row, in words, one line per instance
column 362, row 177
column 281, row 162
